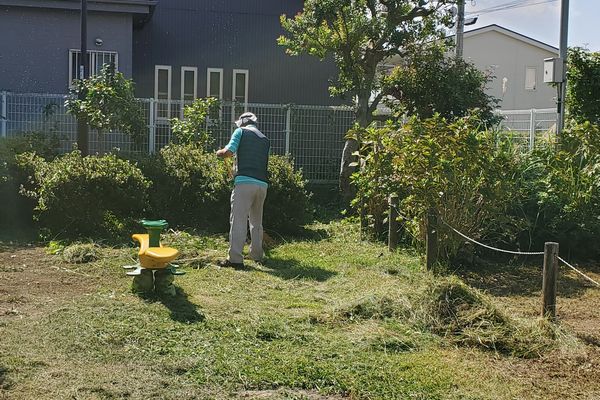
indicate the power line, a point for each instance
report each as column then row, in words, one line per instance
column 509, row 6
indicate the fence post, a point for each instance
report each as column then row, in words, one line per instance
column 151, row 127
column 549, row 280
column 3, row 115
column 393, row 223
column 431, row 239
column 288, row 122
column 531, row 128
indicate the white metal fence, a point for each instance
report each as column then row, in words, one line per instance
column 312, row 135
column 528, row 126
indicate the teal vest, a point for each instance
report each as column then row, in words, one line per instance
column 253, row 155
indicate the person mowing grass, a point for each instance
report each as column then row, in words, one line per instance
column 251, row 148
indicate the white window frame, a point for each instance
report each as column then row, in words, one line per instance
column 183, row 71
column 527, row 68
column 210, row 71
column 245, row 72
column 169, row 75
column 92, row 54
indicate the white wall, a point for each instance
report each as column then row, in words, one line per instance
column 508, row 57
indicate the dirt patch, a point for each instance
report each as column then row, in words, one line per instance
column 31, row 281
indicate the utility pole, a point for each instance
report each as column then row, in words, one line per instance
column 83, row 73
column 562, row 88
column 460, row 28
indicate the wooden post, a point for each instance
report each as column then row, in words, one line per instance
column 431, row 238
column 549, row 280
column 393, row 223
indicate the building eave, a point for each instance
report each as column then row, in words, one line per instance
column 143, row 7
column 512, row 34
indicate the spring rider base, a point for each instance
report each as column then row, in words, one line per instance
column 154, row 271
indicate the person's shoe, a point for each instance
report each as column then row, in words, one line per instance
column 229, row 264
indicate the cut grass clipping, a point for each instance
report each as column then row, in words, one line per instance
column 462, row 315
column 81, row 253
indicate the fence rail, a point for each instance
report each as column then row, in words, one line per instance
column 312, row 135
column 528, row 126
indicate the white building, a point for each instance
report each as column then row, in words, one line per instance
column 517, row 64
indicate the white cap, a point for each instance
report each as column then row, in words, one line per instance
column 245, row 119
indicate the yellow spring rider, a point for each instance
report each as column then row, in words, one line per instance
column 154, row 271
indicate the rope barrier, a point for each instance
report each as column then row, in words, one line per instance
column 525, row 253
column 579, row 272
column 520, row 253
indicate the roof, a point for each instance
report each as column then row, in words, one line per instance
column 124, row 6
column 513, row 34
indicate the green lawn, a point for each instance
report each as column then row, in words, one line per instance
column 329, row 317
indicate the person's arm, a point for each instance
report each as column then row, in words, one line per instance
column 230, row 149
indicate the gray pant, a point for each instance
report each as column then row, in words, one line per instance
column 247, row 202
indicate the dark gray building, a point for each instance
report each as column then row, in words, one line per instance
column 172, row 49
column 39, row 40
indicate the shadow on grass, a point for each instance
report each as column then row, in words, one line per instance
column 4, row 383
column 181, row 309
column 290, row 268
column 301, row 233
column 524, row 280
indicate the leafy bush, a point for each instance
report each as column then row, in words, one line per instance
column 196, row 125
column 287, row 206
column 93, row 196
column 16, row 210
column 562, row 192
column 468, row 175
column 190, row 187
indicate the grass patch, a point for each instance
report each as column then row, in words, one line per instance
column 322, row 317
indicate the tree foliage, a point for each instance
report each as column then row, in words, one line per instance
column 429, row 82
column 196, row 122
column 107, row 102
column 583, row 85
column 359, row 35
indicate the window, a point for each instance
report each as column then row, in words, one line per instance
column 189, row 83
column 239, row 93
column 162, row 90
column 214, row 82
column 96, row 60
column 530, row 78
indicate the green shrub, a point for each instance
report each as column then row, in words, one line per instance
column 190, row 187
column 467, row 174
column 561, row 192
column 17, row 210
column 287, row 206
column 197, row 124
column 93, row 196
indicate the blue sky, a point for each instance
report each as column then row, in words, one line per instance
column 542, row 21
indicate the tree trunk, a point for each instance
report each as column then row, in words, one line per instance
column 351, row 146
column 347, row 189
